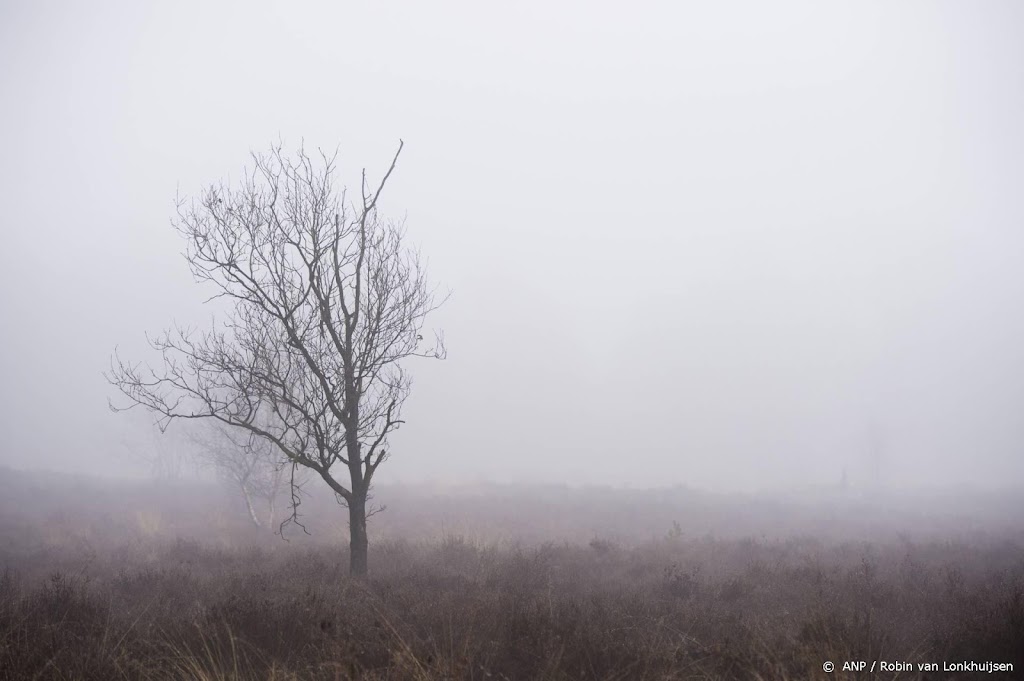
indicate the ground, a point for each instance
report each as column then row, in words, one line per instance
column 119, row 580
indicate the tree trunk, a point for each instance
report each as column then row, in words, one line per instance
column 358, row 543
column 248, row 504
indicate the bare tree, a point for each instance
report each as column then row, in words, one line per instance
column 327, row 301
column 167, row 455
column 251, row 464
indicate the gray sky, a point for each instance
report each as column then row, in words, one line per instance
column 713, row 244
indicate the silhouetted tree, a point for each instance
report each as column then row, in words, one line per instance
column 326, row 301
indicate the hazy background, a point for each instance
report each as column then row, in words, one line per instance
column 725, row 245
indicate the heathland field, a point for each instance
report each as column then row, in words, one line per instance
column 116, row 580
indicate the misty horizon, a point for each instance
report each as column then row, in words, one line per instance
column 581, row 340
column 727, row 251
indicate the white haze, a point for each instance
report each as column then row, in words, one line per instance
column 724, row 245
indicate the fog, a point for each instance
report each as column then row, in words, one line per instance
column 731, row 246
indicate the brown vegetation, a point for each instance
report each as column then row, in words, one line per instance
column 142, row 603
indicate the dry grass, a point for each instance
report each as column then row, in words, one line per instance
column 455, row 610
column 132, row 600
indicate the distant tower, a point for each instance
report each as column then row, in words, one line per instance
column 844, row 482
